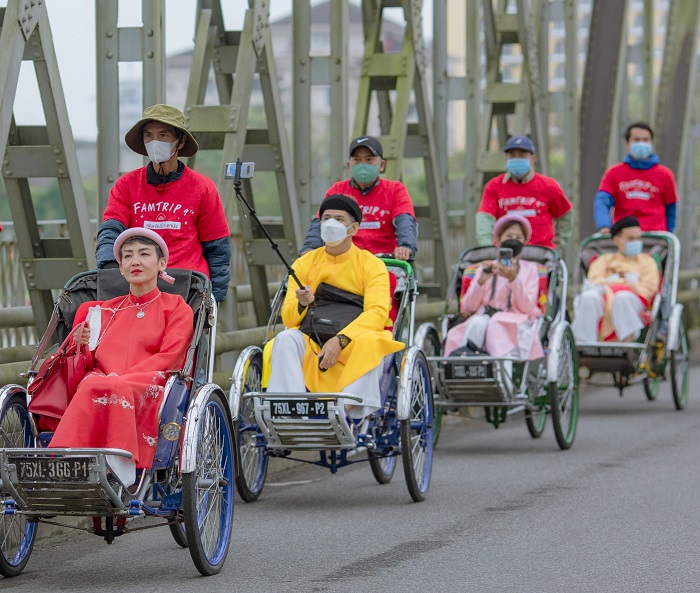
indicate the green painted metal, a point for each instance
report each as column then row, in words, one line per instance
column 40, row 151
column 391, row 79
column 225, row 126
column 598, row 97
column 312, row 71
column 677, row 82
column 512, row 107
column 145, row 44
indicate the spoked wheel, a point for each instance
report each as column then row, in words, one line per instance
column 207, row 492
column 536, row 417
column 428, row 341
column 679, row 367
column 17, row 533
column 179, row 534
column 174, row 485
column 563, row 393
column 382, row 467
column 651, row 387
column 252, row 471
column 417, row 431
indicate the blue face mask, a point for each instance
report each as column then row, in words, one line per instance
column 640, row 151
column 518, row 167
column 633, row 248
column 364, row 173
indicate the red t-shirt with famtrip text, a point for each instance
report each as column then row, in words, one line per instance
column 380, row 206
column 643, row 193
column 541, row 200
column 187, row 212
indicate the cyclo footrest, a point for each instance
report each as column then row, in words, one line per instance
column 62, row 481
column 314, row 422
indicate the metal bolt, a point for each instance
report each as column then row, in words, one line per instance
column 32, row 285
column 8, row 172
column 150, row 54
column 110, row 55
column 30, row 274
column 110, row 178
column 27, row 264
column 110, row 33
column 61, row 172
column 59, row 161
column 149, row 32
column 56, row 151
column 6, row 162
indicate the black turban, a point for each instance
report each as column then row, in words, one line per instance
column 623, row 223
column 341, row 202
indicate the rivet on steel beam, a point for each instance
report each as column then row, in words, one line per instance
column 27, row 264
column 59, row 161
column 110, row 178
column 56, row 151
column 37, row 55
column 6, row 162
column 26, row 6
column 149, row 32
column 150, row 54
column 60, row 172
column 110, row 55
column 30, row 274
column 80, row 264
column 8, row 172
column 109, row 33
column 32, row 285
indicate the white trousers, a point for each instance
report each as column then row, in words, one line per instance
column 476, row 330
column 625, row 315
column 287, row 376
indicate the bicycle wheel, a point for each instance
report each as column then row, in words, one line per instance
column 417, row 430
column 17, row 533
column 428, row 341
column 207, row 492
column 252, row 471
column 563, row 393
column 536, row 416
column 679, row 367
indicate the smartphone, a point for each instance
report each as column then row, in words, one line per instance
column 505, row 255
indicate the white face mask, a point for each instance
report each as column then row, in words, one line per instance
column 333, row 232
column 159, row 151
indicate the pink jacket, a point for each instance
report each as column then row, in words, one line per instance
column 523, row 293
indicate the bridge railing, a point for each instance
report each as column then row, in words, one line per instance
column 18, row 335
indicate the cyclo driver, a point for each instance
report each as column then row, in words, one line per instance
column 342, row 349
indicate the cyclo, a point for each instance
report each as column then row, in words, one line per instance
column 280, row 424
column 508, row 384
column 651, row 358
column 189, row 486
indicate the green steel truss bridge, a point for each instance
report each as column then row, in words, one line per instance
column 571, row 73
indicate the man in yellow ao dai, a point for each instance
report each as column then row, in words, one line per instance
column 352, row 361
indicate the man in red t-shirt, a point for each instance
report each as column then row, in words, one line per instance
column 388, row 219
column 181, row 205
column 638, row 186
column 533, row 195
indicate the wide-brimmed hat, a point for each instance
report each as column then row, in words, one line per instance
column 164, row 114
column 139, row 232
column 508, row 219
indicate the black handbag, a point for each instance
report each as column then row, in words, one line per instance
column 334, row 310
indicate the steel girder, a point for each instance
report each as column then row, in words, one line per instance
column 40, row 151
column 225, row 126
column 399, row 76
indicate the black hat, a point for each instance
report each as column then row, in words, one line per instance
column 341, row 202
column 623, row 223
column 374, row 145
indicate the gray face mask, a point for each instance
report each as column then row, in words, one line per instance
column 159, row 151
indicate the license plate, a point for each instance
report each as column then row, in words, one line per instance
column 75, row 469
column 294, row 408
column 472, row 371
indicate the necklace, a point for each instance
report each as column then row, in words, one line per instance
column 141, row 314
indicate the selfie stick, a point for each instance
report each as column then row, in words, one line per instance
column 251, row 211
